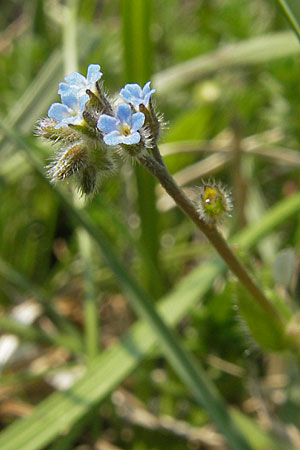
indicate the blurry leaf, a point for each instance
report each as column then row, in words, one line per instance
column 266, row 330
column 191, row 124
column 259, row 439
column 32, row 333
column 283, row 266
column 251, row 51
column 291, row 9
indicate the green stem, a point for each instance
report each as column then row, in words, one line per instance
column 212, row 234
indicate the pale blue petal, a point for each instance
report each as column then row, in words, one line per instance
column 113, row 138
column 63, row 88
column 70, row 99
column 75, row 79
column 125, row 95
column 123, row 113
column 107, row 124
column 137, row 121
column 58, row 112
column 82, row 101
column 134, row 89
column 147, row 90
column 133, row 138
column 93, row 73
column 132, row 93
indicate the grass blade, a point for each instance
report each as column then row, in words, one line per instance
column 291, row 11
column 137, row 68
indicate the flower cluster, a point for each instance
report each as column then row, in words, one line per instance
column 87, row 127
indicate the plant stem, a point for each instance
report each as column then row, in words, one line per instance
column 210, row 231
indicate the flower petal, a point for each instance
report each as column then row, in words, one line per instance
column 70, row 99
column 113, row 138
column 146, row 88
column 134, row 89
column 58, row 112
column 107, row 124
column 131, row 94
column 132, row 138
column 137, row 121
column 82, row 101
column 147, row 92
column 123, row 113
column 63, row 88
column 93, row 73
column 76, row 79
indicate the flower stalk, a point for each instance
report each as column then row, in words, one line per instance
column 160, row 172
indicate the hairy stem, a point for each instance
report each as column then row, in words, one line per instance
column 210, row 231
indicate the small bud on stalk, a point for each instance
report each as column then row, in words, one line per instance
column 214, row 202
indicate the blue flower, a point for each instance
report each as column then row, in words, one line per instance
column 69, row 111
column 78, row 84
column 122, row 129
column 134, row 94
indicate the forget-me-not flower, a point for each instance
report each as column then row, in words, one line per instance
column 122, row 129
column 78, row 84
column 135, row 95
column 69, row 111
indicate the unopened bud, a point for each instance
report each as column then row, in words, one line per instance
column 214, row 202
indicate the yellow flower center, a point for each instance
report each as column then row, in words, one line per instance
column 125, row 129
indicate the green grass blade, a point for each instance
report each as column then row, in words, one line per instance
column 136, row 16
column 90, row 304
column 291, row 10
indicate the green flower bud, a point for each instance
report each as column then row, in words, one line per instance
column 214, row 202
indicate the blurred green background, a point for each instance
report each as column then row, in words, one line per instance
column 226, row 74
